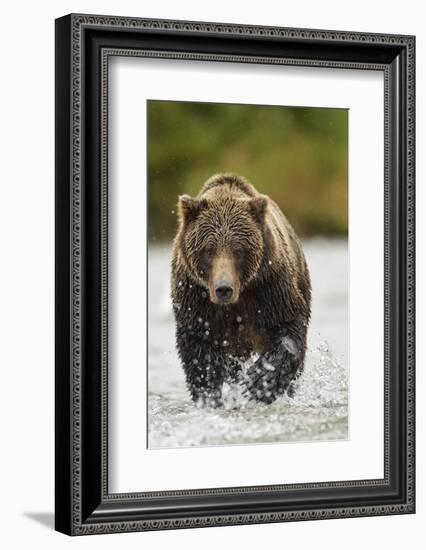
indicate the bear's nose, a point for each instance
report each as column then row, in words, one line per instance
column 223, row 291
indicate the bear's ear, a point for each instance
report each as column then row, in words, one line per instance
column 189, row 208
column 258, row 207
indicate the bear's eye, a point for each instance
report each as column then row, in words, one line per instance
column 238, row 253
column 209, row 252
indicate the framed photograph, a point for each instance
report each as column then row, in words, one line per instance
column 234, row 274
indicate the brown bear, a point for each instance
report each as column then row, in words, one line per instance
column 240, row 291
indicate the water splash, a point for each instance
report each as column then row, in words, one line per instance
column 318, row 411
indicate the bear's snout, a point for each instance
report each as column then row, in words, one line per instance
column 224, row 283
column 224, row 291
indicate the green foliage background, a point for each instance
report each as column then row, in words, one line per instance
column 296, row 155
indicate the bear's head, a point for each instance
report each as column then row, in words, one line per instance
column 222, row 241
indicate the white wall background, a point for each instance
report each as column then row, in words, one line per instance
column 26, row 288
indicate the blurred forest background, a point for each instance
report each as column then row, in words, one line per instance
column 296, row 155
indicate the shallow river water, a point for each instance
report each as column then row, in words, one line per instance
column 319, row 409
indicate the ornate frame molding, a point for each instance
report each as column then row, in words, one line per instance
column 72, row 47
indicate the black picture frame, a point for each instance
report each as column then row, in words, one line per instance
column 83, row 45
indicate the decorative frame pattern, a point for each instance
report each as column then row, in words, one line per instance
column 83, row 504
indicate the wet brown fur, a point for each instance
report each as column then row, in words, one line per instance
column 231, row 229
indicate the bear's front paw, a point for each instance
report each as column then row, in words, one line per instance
column 210, row 399
column 260, row 382
column 265, row 380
